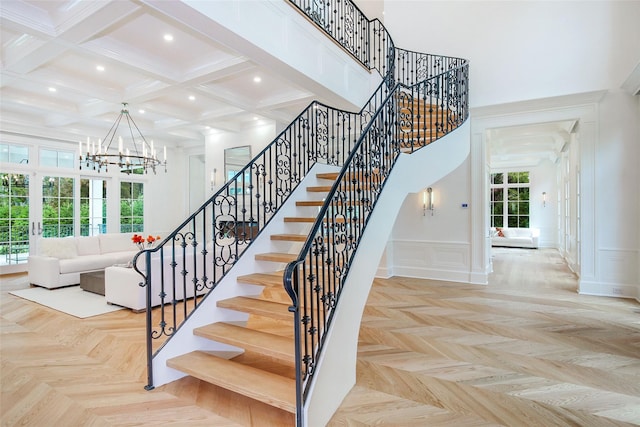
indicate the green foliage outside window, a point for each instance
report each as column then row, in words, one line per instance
column 131, row 207
column 518, row 177
column 93, row 207
column 57, row 206
column 14, row 213
column 512, row 195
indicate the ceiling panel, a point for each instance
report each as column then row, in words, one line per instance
column 60, row 44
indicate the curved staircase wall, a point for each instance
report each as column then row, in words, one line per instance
column 336, row 372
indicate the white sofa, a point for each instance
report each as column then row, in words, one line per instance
column 515, row 237
column 60, row 260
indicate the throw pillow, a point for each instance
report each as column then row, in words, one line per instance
column 59, row 247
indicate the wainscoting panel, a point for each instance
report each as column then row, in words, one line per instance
column 431, row 260
column 618, row 265
column 548, row 237
column 616, row 274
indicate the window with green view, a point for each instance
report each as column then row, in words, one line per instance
column 14, row 217
column 131, row 207
column 57, row 206
column 509, row 202
column 93, row 207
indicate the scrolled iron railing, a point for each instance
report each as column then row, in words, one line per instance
column 366, row 40
column 410, row 118
column 194, row 258
column 421, row 98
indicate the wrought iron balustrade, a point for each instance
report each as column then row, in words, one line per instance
column 421, row 98
column 410, row 118
column 194, row 258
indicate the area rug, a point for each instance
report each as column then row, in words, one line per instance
column 71, row 300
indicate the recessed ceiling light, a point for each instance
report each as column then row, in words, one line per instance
column 168, row 38
column 192, row 98
column 255, row 118
column 257, row 79
column 53, row 89
column 100, row 67
column 141, row 111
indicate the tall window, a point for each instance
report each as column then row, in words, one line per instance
column 131, row 207
column 93, row 207
column 510, row 199
column 14, row 217
column 57, row 206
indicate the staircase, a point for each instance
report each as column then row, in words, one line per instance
column 264, row 338
column 265, row 371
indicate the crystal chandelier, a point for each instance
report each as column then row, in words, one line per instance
column 138, row 158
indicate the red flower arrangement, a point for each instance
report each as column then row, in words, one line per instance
column 140, row 241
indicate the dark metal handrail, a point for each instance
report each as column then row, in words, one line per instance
column 194, row 258
column 315, row 280
column 184, row 267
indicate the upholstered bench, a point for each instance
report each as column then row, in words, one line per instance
column 122, row 287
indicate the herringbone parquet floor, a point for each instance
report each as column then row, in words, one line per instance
column 526, row 350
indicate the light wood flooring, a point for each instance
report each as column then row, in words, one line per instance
column 526, row 350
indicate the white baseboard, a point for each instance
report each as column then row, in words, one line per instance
column 432, row 274
column 616, row 290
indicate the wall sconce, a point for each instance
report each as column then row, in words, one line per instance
column 213, row 179
column 544, row 199
column 427, row 201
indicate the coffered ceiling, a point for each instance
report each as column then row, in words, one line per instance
column 68, row 65
column 528, row 145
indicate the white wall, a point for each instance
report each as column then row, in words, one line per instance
column 617, row 157
column 435, row 244
column 524, row 49
column 535, row 53
column 617, row 168
column 258, row 137
column 637, row 185
column 166, row 197
column 372, row 9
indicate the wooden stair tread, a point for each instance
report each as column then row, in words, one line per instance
column 309, row 219
column 272, row 389
column 334, row 175
column 310, row 203
column 263, row 279
column 289, row 237
column 299, row 219
column 328, row 175
column 273, row 310
column 276, row 257
column 275, row 346
column 321, row 202
column 319, row 188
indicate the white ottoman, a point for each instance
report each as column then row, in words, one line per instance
column 121, row 288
